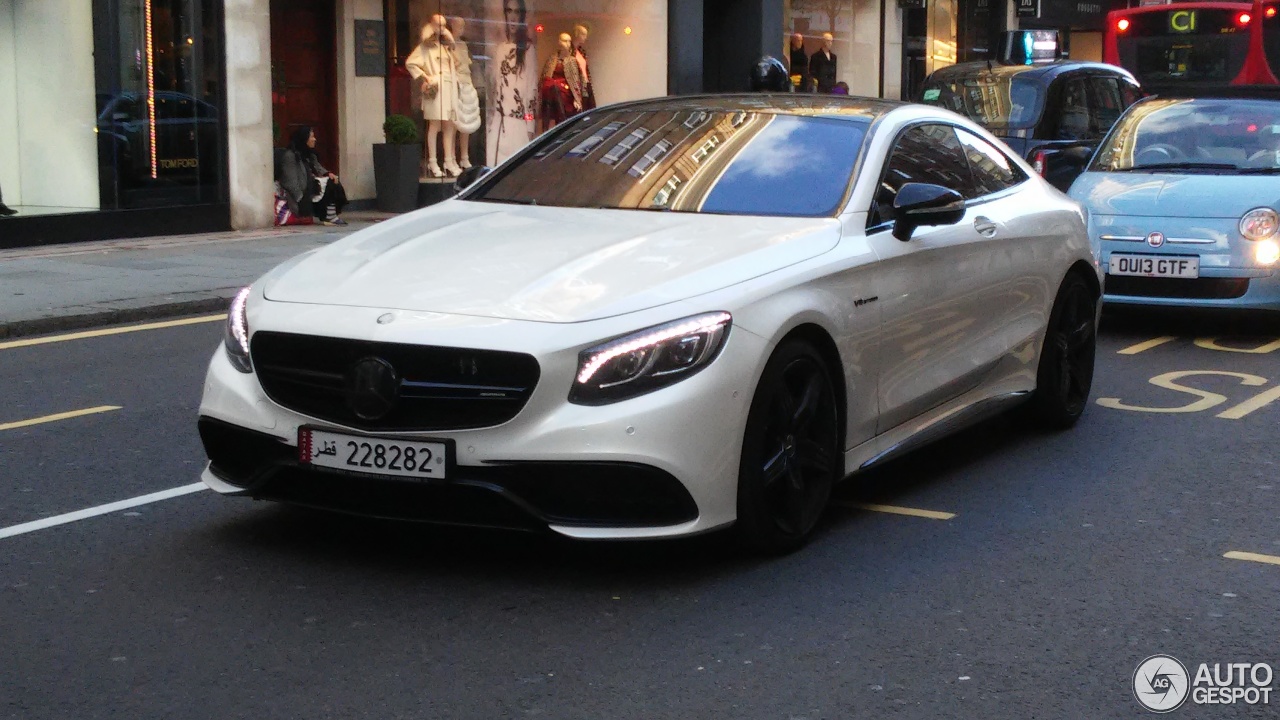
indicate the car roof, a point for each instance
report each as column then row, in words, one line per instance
column 1042, row 71
column 1235, row 92
column 776, row 103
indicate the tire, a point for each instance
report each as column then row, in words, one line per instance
column 1065, row 374
column 791, row 451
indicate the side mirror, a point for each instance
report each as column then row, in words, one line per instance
column 925, row 204
column 469, row 177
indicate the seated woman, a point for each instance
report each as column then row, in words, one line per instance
column 311, row 189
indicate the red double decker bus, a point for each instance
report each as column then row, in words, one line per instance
column 1188, row 45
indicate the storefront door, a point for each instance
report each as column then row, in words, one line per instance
column 303, row 66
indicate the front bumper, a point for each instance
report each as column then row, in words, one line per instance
column 662, row 464
column 516, row 495
column 1229, row 276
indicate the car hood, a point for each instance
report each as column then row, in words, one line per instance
column 1200, row 196
column 543, row 263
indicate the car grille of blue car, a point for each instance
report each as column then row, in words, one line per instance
column 425, row 388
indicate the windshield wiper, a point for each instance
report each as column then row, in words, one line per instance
column 1260, row 171
column 1183, row 166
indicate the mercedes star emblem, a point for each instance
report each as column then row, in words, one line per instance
column 372, row 388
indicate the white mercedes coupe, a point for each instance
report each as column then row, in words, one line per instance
column 663, row 318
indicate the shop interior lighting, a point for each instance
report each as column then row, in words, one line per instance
column 151, row 91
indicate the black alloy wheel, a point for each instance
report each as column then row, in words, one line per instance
column 1065, row 375
column 791, row 451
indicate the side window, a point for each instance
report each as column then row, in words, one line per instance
column 1106, row 102
column 1073, row 124
column 924, row 154
column 993, row 171
column 1130, row 92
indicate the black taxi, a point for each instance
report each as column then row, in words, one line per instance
column 1053, row 114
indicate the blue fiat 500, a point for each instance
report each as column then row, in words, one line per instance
column 1182, row 198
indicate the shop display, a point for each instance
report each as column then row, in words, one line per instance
column 560, row 92
column 822, row 66
column 468, row 111
column 799, row 64
column 512, row 82
column 519, row 67
column 434, row 66
column 580, row 33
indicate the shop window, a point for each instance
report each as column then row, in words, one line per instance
column 132, row 121
column 506, row 78
column 833, row 46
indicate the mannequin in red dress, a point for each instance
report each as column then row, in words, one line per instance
column 560, row 93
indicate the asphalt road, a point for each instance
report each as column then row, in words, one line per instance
column 1069, row 559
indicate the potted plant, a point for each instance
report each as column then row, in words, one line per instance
column 395, row 165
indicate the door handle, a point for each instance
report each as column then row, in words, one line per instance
column 984, row 226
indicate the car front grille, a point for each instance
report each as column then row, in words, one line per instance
column 1184, row 288
column 428, row 388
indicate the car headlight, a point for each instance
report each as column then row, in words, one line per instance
column 235, row 338
column 649, row 359
column 1259, row 223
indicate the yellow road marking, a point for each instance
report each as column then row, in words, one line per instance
column 896, row 510
column 1213, row 344
column 57, row 417
column 1143, row 346
column 1257, row 401
column 1253, row 557
column 111, row 331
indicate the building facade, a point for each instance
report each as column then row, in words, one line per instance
column 123, row 118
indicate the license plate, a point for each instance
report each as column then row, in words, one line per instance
column 1167, row 266
column 373, row 455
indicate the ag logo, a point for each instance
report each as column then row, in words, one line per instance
column 1155, row 239
column 1161, row 683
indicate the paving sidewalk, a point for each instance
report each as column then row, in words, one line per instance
column 54, row 288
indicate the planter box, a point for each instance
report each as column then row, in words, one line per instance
column 395, row 176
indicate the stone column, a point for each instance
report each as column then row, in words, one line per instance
column 249, row 154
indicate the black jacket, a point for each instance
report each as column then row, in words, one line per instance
column 823, row 71
column 800, row 66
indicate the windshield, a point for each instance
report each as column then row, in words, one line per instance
column 1202, row 135
column 738, row 163
column 1183, row 45
column 993, row 102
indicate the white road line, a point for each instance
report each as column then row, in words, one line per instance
column 71, row 517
